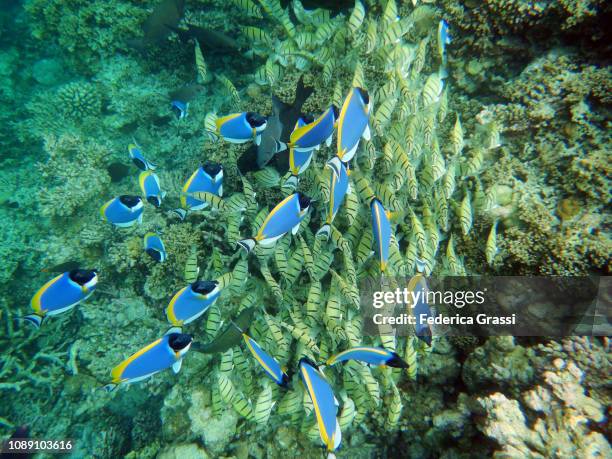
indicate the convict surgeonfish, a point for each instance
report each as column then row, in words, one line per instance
column 353, row 123
column 138, row 158
column 310, row 133
column 180, row 108
column 154, row 246
column 339, row 187
column 191, row 302
column 324, row 402
column 241, row 127
column 371, row 355
column 381, row 229
column 61, row 294
column 285, row 217
column 418, row 305
column 209, row 178
column 123, row 211
column 267, row 362
column 151, row 188
column 161, row 354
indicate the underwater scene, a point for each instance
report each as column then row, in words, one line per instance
column 305, row 229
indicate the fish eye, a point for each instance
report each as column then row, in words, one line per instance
column 308, row 118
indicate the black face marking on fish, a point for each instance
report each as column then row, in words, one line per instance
column 129, row 200
column 154, row 253
column 139, row 164
column 255, row 119
column 81, row 276
column 336, row 111
column 364, row 95
column 179, row 341
column 154, row 200
column 304, row 201
column 203, row 287
column 309, row 362
column 212, row 169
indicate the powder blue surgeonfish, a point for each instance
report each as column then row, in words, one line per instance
column 443, row 39
column 191, row 302
column 353, row 123
column 138, row 158
column 382, row 232
column 339, row 186
column 151, row 189
column 154, row 246
column 285, row 217
column 208, row 177
column 161, row 354
column 61, row 294
column 420, row 307
column 123, row 211
column 310, row 133
column 241, row 127
column 180, row 108
column 371, row 355
column 324, row 402
column 267, row 362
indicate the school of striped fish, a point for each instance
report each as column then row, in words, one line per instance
column 383, row 183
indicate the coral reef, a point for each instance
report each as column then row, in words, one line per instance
column 517, row 133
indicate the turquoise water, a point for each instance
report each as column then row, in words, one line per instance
column 486, row 153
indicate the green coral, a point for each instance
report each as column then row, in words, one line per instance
column 79, row 99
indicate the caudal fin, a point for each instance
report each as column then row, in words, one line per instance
column 247, row 244
column 324, row 232
column 34, row 319
column 291, row 182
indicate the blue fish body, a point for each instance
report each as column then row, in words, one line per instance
column 123, row 211
column 339, row 186
column 324, row 402
column 353, row 123
column 208, row 177
column 241, row 127
column 307, row 136
column 382, row 232
column 161, row 354
column 418, row 285
column 191, row 302
column 267, row 362
column 62, row 293
column 138, row 158
column 371, row 355
column 285, row 217
column 443, row 38
column 151, row 189
column 181, row 108
column 154, row 246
